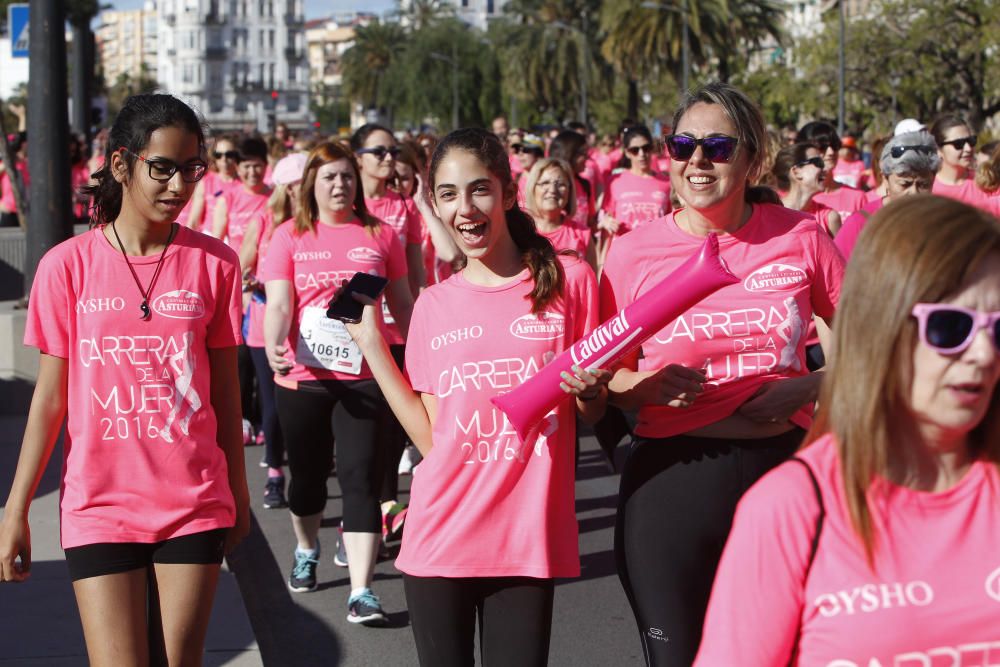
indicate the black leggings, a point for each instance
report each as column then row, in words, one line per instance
column 675, row 508
column 392, row 441
column 310, row 415
column 245, row 368
column 515, row 619
column 274, row 443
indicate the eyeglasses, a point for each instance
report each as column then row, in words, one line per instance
column 556, row 185
column 645, row 148
column 814, row 161
column 161, row 170
column 229, row 155
column 960, row 143
column 380, row 152
column 897, row 151
column 951, row 329
column 717, row 149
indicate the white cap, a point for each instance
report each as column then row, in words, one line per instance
column 908, row 125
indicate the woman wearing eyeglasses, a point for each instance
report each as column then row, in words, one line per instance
column 551, row 202
column 799, row 172
column 639, row 193
column 723, row 392
column 841, row 198
column 879, row 543
column 137, row 323
column 221, row 176
column 956, row 177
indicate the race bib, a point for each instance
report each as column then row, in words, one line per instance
column 325, row 343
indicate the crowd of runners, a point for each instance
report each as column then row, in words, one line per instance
column 812, row 468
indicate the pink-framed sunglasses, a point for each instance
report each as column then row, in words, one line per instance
column 951, row 329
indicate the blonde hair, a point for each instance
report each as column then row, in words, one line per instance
column 536, row 173
column 921, row 248
column 988, row 174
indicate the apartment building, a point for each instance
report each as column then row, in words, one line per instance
column 126, row 43
column 241, row 63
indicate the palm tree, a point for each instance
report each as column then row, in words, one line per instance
column 419, row 14
column 366, row 63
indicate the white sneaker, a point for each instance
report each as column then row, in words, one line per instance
column 409, row 460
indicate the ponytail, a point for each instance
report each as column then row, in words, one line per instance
column 539, row 256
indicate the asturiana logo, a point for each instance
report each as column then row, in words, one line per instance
column 540, row 326
column 363, row 254
column 774, row 278
column 179, row 304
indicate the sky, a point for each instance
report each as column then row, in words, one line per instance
column 313, row 8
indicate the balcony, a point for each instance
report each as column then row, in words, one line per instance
column 242, row 86
column 214, row 18
column 170, row 19
column 215, row 53
column 294, row 54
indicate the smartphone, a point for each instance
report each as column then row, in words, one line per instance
column 348, row 309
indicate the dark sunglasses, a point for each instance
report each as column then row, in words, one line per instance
column 959, row 143
column 951, row 329
column 380, row 152
column 897, row 151
column 717, row 149
column 645, row 148
column 516, row 148
column 824, row 144
column 161, row 170
column 814, row 161
column 229, row 155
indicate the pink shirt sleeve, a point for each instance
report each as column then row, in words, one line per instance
column 758, row 595
column 278, row 263
column 829, row 276
column 416, row 343
column 414, row 223
column 848, row 235
column 224, row 329
column 50, row 312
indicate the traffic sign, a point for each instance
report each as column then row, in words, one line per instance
column 17, row 23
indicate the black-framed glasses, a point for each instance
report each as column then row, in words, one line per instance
column 719, row 148
column 162, row 170
column 635, row 150
column 380, row 152
column 814, row 161
column 229, row 155
column 897, row 151
column 960, row 143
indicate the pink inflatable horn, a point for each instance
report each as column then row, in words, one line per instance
column 691, row 282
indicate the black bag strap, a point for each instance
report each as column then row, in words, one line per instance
column 822, row 511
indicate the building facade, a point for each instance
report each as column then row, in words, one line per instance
column 241, row 63
column 126, row 43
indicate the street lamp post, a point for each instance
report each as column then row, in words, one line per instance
column 842, row 69
column 453, row 61
column 685, row 36
column 894, row 81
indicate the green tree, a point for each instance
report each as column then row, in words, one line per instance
column 366, row 64
column 420, row 14
column 126, row 86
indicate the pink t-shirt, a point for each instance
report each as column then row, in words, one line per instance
column 242, row 206
column 568, row 237
column 967, row 191
column 79, row 177
column 522, row 193
column 750, row 333
column 316, row 264
column 7, row 199
column 849, row 173
column 843, row 200
column 515, row 165
column 932, row 598
column 585, row 206
column 633, row 200
column 141, row 462
column 401, row 214
column 604, row 164
column 483, row 503
column 214, row 187
column 265, row 232
column 848, row 235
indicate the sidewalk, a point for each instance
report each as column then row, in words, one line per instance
column 39, row 617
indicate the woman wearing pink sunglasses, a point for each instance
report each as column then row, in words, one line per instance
column 879, row 544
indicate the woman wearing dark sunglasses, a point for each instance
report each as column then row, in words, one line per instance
column 908, row 163
column 639, row 193
column 221, row 176
column 879, row 543
column 957, row 176
column 723, row 392
column 841, row 198
column 799, row 172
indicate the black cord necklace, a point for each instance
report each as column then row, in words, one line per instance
column 144, row 307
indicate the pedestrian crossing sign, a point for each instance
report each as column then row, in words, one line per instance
column 17, row 25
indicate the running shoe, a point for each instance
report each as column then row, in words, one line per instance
column 303, row 576
column 365, row 608
column 340, row 558
column 409, row 460
column 274, row 493
column 260, row 438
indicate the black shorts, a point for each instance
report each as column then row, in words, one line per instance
column 96, row 560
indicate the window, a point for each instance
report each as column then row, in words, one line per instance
column 292, row 103
column 240, row 104
column 291, row 72
column 216, row 103
column 270, row 76
column 270, row 39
